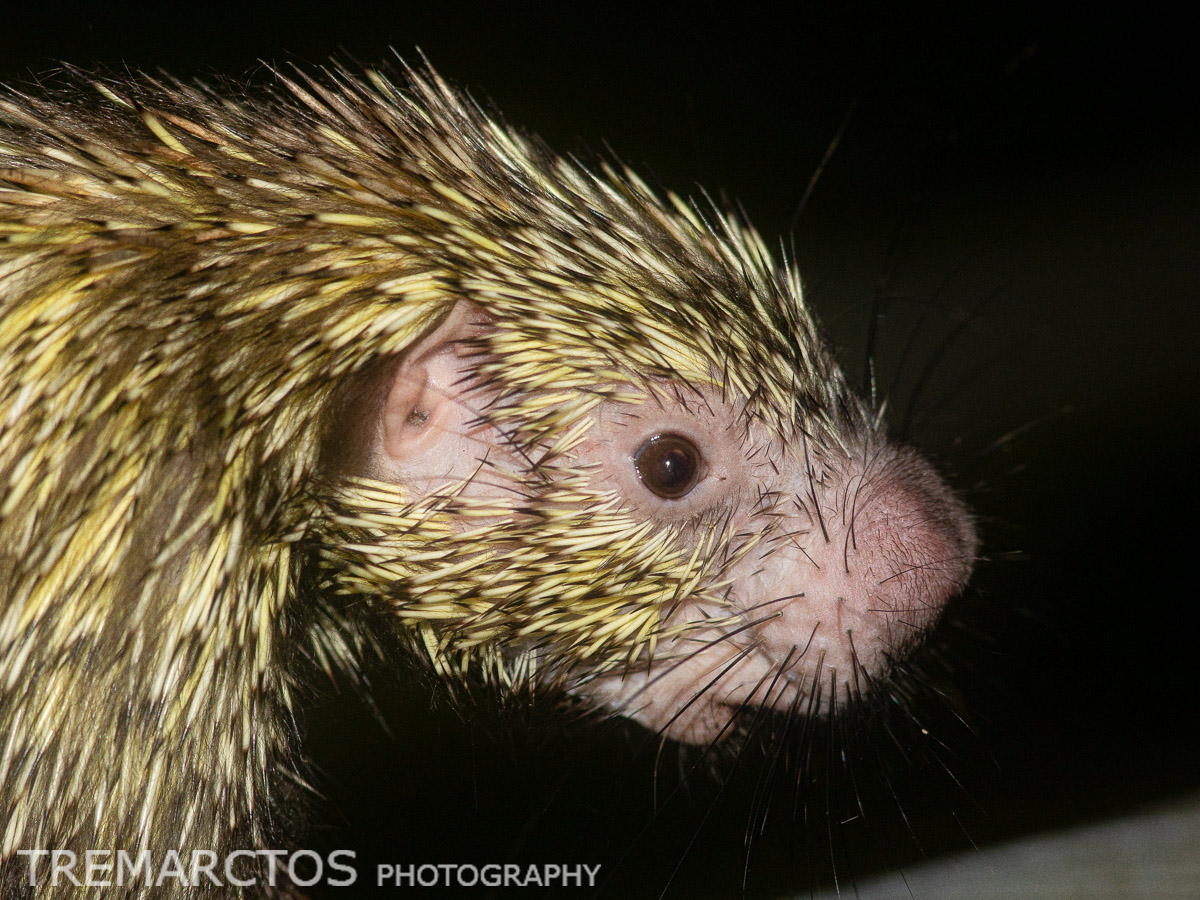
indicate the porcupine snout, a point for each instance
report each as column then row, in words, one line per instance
column 875, row 554
column 857, row 564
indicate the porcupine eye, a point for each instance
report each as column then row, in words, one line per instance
column 669, row 465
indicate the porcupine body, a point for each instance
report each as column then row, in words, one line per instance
column 196, row 295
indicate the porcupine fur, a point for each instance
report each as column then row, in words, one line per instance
column 187, row 284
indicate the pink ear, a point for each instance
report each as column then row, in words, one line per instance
column 430, row 426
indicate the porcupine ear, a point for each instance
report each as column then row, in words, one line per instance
column 429, row 423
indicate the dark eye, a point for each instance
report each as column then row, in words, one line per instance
column 669, row 465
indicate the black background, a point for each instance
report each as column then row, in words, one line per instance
column 1019, row 187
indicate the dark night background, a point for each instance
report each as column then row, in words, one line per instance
column 1018, row 188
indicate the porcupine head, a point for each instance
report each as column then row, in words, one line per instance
column 364, row 347
column 621, row 458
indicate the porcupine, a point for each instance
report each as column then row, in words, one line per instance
column 273, row 366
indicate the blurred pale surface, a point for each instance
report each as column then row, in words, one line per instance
column 1150, row 856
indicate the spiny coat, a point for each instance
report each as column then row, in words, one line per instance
column 185, row 281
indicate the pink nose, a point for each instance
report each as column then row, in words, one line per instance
column 890, row 547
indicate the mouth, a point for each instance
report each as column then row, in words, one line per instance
column 698, row 694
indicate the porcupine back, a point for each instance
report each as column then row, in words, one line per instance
column 184, row 279
column 184, row 282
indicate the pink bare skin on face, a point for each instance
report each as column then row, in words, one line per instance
column 837, row 560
